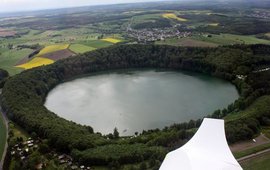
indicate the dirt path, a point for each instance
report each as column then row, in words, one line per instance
column 261, row 139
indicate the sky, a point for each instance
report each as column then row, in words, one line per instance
column 26, row 5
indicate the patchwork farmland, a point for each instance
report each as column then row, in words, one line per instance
column 51, row 53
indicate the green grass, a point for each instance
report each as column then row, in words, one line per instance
column 266, row 131
column 257, row 163
column 143, row 18
column 79, row 48
column 259, row 107
column 18, row 131
column 215, row 40
column 95, row 43
column 2, row 135
column 8, row 58
column 250, row 151
column 228, row 39
column 188, row 42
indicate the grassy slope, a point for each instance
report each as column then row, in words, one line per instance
column 227, row 39
column 215, row 40
column 259, row 107
column 250, row 151
column 95, row 43
column 8, row 58
column 79, row 48
column 187, row 42
column 257, row 163
column 2, row 136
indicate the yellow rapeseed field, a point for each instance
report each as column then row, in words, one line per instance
column 173, row 16
column 37, row 61
column 52, row 48
column 111, row 40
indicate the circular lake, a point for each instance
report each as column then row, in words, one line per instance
column 134, row 101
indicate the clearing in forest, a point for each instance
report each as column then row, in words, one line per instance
column 173, row 16
column 36, row 62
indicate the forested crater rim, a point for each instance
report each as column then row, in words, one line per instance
column 23, row 97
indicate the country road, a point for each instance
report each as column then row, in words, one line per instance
column 6, row 124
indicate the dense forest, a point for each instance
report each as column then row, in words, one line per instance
column 24, row 95
column 3, row 77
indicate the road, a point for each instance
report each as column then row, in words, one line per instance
column 6, row 124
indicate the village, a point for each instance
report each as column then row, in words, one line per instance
column 260, row 14
column 156, row 34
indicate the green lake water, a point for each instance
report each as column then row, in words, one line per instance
column 134, row 101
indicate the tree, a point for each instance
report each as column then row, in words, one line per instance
column 115, row 133
column 34, row 135
column 143, row 166
column 43, row 148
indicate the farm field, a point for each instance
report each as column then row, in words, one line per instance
column 9, row 58
column 57, row 55
column 112, row 40
column 36, row 62
column 52, row 48
column 7, row 33
column 188, row 42
column 80, row 48
column 173, row 16
column 95, row 43
column 229, row 39
column 213, row 40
